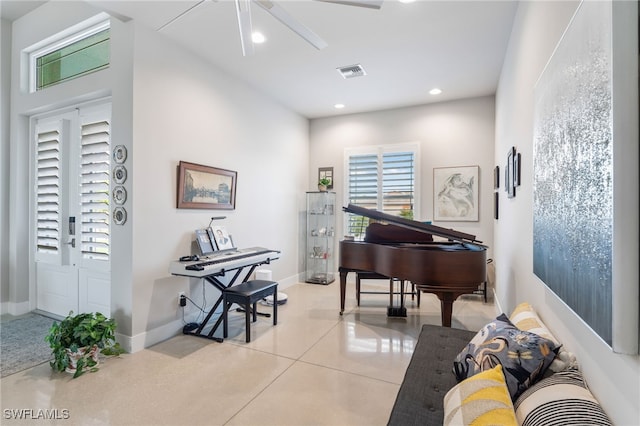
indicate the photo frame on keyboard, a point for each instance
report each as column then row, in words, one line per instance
column 221, row 238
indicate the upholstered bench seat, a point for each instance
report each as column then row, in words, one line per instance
column 247, row 295
column 429, row 376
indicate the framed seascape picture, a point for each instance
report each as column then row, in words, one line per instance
column 455, row 193
column 204, row 187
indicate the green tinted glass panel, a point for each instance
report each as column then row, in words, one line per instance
column 82, row 57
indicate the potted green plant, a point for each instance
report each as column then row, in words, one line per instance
column 323, row 184
column 77, row 340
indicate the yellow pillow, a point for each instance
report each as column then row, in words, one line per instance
column 482, row 399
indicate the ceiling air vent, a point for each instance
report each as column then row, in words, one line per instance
column 352, row 71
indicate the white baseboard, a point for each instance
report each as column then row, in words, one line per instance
column 13, row 308
column 496, row 303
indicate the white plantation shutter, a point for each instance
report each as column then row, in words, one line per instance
column 363, row 189
column 398, row 181
column 381, row 178
column 95, row 180
column 48, row 183
column 73, row 179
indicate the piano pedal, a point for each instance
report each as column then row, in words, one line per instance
column 396, row 312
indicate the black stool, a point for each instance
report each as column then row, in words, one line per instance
column 246, row 295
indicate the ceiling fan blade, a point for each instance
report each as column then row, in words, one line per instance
column 243, row 11
column 283, row 16
column 371, row 4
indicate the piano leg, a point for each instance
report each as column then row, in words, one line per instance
column 446, row 306
column 447, row 297
column 343, row 289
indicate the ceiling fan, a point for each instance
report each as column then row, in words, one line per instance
column 243, row 9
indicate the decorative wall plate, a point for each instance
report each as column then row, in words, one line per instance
column 119, row 195
column 119, row 174
column 119, row 215
column 119, row 154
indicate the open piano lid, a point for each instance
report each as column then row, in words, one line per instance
column 412, row 224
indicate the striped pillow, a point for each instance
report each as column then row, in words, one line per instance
column 525, row 318
column 560, row 399
column 482, row 399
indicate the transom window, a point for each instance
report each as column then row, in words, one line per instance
column 78, row 51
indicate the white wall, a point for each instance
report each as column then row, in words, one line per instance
column 613, row 378
column 186, row 110
column 5, row 86
column 455, row 133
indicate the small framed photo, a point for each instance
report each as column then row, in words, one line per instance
column 326, row 173
column 205, row 187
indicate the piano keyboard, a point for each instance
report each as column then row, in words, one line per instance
column 225, row 261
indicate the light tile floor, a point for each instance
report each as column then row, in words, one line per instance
column 314, row 368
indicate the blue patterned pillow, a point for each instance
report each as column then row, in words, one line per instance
column 524, row 356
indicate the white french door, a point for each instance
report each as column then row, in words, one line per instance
column 71, row 210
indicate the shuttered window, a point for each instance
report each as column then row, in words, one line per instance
column 398, row 182
column 48, row 183
column 381, row 178
column 73, row 187
column 94, row 190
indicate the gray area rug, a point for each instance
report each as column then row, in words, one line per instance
column 22, row 343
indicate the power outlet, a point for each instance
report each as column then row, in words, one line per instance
column 182, row 299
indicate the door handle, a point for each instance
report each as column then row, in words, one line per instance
column 72, row 243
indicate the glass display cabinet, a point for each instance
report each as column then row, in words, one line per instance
column 320, row 263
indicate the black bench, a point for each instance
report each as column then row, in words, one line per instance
column 247, row 295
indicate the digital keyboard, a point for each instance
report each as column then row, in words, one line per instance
column 224, row 261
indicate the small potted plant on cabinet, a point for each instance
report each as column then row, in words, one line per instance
column 77, row 340
column 323, row 184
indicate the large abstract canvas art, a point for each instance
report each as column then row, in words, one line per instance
column 573, row 169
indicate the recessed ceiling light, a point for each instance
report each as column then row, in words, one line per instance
column 435, row 91
column 406, row 1
column 338, row 106
column 258, row 37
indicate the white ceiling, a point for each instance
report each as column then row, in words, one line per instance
column 406, row 49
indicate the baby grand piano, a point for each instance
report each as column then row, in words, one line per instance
column 404, row 249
